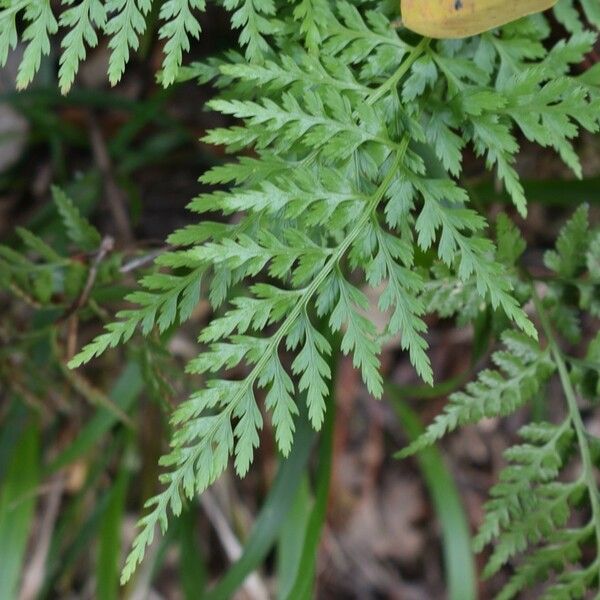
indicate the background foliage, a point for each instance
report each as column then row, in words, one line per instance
column 349, row 197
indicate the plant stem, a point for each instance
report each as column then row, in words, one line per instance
column 400, row 72
column 574, row 414
column 378, row 92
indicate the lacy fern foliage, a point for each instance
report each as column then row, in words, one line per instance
column 39, row 274
column 522, row 370
column 357, row 132
column 529, row 517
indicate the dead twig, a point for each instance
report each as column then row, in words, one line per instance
column 92, row 394
column 106, row 245
column 253, row 585
column 115, row 197
column 35, row 572
column 142, row 261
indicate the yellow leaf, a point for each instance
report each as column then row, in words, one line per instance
column 463, row 18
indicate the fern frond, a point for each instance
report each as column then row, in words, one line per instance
column 569, row 293
column 253, row 18
column 393, row 264
column 529, row 507
column 41, row 24
column 342, row 189
column 125, row 25
column 530, row 517
column 82, row 20
column 53, row 276
column 79, row 230
column 8, row 29
column 179, row 25
column 302, row 71
column 170, row 298
column 312, row 15
column 522, row 370
column 325, row 123
column 353, row 39
column 568, row 260
column 196, row 461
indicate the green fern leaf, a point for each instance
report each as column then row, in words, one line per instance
column 522, row 370
column 79, row 230
column 125, row 26
column 41, row 24
column 82, row 20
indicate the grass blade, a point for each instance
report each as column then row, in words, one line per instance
column 456, row 538
column 77, row 529
column 291, row 539
column 109, row 550
column 192, row 569
column 304, row 579
column 17, row 505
